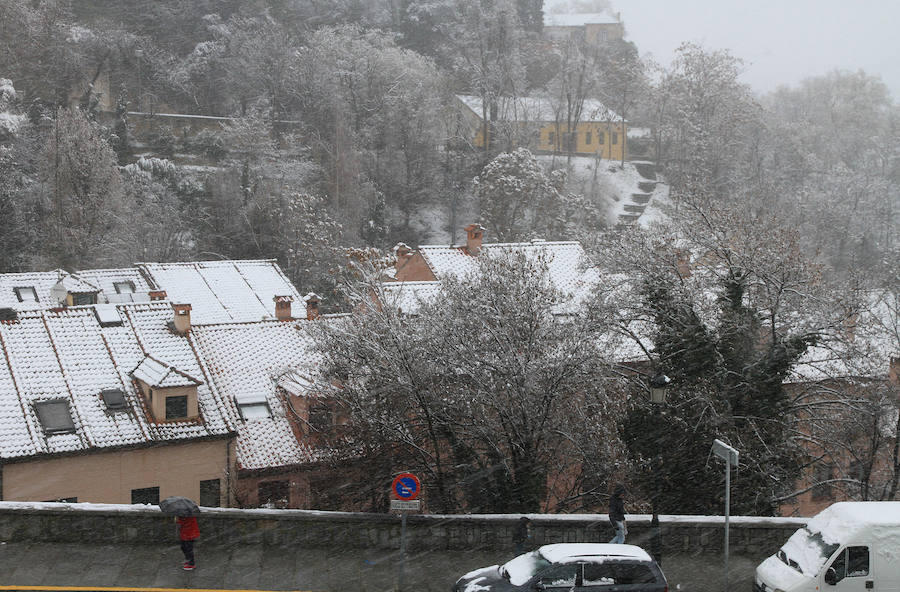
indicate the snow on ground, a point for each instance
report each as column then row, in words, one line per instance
column 615, row 186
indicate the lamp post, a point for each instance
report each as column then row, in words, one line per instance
column 658, row 385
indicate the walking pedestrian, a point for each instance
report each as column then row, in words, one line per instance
column 522, row 535
column 617, row 514
column 188, row 532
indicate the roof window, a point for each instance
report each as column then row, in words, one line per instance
column 254, row 411
column 26, row 294
column 126, row 287
column 54, row 416
column 114, row 399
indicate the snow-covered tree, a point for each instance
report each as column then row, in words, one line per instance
column 728, row 332
column 516, row 197
column 485, row 390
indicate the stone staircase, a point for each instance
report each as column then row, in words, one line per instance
column 633, row 210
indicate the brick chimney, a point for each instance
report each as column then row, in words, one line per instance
column 404, row 253
column 474, row 234
column 157, row 294
column 312, row 306
column 182, row 321
column 283, row 308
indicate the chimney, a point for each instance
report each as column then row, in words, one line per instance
column 157, row 294
column 404, row 253
column 182, row 321
column 283, row 308
column 312, row 306
column 474, row 233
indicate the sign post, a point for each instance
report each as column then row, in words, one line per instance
column 730, row 456
column 404, row 491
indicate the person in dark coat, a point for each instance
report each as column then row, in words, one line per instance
column 522, row 535
column 188, row 532
column 617, row 514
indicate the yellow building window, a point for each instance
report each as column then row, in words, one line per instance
column 615, row 138
column 588, row 136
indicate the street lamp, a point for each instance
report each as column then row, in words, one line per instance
column 658, row 385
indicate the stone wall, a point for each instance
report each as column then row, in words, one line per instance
column 110, row 524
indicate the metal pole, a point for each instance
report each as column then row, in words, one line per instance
column 727, row 512
column 402, row 551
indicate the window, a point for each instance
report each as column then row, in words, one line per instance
column 570, row 141
column 254, row 411
column 26, row 294
column 54, row 416
column 601, row 137
column 210, row 493
column 84, row 298
column 176, row 407
column 588, row 137
column 852, row 562
column 559, row 576
column 124, row 287
column 114, row 399
column 620, row 574
column 274, row 494
column 146, row 495
column 551, row 137
column 615, row 138
column 822, row 473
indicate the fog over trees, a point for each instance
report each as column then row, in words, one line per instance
column 338, row 128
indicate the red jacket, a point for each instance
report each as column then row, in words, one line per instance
column 188, row 529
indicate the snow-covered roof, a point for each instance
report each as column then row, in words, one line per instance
column 539, row 109
column 74, row 284
column 107, row 279
column 158, row 374
column 66, row 354
column 561, row 552
column 223, row 291
column 247, row 362
column 579, row 19
column 844, row 518
column 568, row 268
column 13, row 286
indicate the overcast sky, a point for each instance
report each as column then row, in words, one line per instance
column 780, row 41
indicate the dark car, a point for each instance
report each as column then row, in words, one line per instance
column 578, row 567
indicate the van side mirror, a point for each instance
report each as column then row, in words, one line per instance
column 831, row 577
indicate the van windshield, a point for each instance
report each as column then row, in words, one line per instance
column 806, row 552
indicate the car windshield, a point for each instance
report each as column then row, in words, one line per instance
column 523, row 568
column 806, row 552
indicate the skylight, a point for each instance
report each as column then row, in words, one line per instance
column 114, row 399
column 126, row 287
column 254, row 411
column 26, row 294
column 54, row 416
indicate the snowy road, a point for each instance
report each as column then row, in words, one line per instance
column 251, row 567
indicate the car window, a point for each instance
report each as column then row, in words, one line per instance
column 559, row 576
column 617, row 573
column 857, row 561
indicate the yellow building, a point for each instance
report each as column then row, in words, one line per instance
column 542, row 125
column 592, row 28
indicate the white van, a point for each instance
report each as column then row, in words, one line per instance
column 850, row 546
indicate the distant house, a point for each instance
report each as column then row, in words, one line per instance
column 130, row 385
column 592, row 28
column 544, row 125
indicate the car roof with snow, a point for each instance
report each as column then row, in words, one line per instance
column 568, row 552
column 842, row 517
